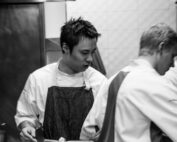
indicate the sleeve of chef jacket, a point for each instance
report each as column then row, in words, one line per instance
column 26, row 105
column 93, row 122
column 155, row 98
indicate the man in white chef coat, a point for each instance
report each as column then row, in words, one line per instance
column 59, row 96
column 143, row 95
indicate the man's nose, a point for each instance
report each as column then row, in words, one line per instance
column 90, row 58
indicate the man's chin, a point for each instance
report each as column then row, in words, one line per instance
column 86, row 67
column 163, row 72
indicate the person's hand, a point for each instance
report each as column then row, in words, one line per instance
column 61, row 139
column 28, row 134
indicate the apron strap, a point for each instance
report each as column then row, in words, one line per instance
column 107, row 132
column 86, row 81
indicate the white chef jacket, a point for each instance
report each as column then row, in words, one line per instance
column 144, row 96
column 171, row 75
column 33, row 97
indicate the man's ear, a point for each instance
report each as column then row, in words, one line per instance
column 161, row 47
column 66, row 48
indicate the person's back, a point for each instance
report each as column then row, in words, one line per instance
column 144, row 95
column 140, row 101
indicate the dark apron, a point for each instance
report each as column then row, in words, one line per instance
column 65, row 112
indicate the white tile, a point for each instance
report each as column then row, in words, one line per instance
column 154, row 4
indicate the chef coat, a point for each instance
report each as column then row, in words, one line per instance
column 32, row 101
column 143, row 97
column 171, row 74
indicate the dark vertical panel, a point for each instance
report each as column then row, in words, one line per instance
column 98, row 63
column 21, row 52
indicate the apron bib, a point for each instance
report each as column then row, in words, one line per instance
column 65, row 112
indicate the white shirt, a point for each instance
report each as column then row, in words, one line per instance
column 144, row 96
column 33, row 97
column 171, row 75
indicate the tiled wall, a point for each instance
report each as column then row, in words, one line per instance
column 121, row 23
column 55, row 17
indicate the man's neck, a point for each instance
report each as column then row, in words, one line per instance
column 151, row 59
column 63, row 66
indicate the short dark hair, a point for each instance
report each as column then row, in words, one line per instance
column 74, row 30
column 157, row 34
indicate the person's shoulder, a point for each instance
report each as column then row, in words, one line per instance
column 140, row 80
column 142, row 84
column 45, row 70
column 144, row 75
column 171, row 75
column 93, row 73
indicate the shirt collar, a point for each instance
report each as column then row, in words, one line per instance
column 143, row 62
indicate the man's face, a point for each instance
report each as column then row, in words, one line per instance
column 167, row 59
column 81, row 56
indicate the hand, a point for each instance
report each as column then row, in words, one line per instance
column 61, row 139
column 28, row 134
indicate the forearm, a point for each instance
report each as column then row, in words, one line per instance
column 89, row 134
column 25, row 124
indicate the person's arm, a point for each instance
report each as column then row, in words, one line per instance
column 28, row 132
column 93, row 122
column 26, row 115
